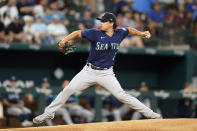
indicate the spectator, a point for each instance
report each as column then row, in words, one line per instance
column 45, row 83
column 8, row 12
column 171, row 25
column 108, row 6
column 25, row 7
column 106, row 110
column 189, row 88
column 29, row 30
column 128, row 20
column 38, row 9
column 57, row 30
column 175, row 22
column 129, row 41
column 91, row 4
column 43, row 3
column 181, row 12
column 195, row 29
column 120, row 6
column 155, row 18
column 115, row 109
column 45, row 87
column 47, row 16
column 15, row 31
column 99, row 5
column 14, row 104
column 184, row 105
column 3, row 37
column 138, row 22
column 30, row 102
column 86, row 21
column 188, row 21
column 41, row 31
column 112, row 110
column 56, row 12
column 192, row 6
column 184, row 108
column 142, row 6
column 194, row 113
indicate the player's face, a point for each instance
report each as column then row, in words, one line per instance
column 105, row 25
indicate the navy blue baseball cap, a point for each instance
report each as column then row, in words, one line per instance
column 107, row 16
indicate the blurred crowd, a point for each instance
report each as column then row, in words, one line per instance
column 171, row 23
column 81, row 108
column 24, row 106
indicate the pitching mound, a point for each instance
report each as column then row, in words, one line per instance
column 137, row 125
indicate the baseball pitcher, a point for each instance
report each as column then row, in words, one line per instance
column 99, row 68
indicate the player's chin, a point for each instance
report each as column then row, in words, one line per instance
column 102, row 29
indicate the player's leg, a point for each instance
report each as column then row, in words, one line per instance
column 78, row 110
column 74, row 110
column 65, row 115
column 49, row 122
column 14, row 111
column 26, row 110
column 105, row 114
column 136, row 116
column 117, row 114
column 111, row 83
column 87, row 114
column 81, row 81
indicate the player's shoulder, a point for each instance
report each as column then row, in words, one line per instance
column 92, row 30
column 121, row 29
column 96, row 30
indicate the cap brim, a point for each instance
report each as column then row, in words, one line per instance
column 98, row 18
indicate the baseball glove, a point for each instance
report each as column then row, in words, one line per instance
column 68, row 48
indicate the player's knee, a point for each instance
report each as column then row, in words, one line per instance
column 26, row 111
column 18, row 112
column 116, row 112
column 69, row 91
column 90, row 114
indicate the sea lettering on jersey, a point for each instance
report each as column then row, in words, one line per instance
column 101, row 46
column 115, row 46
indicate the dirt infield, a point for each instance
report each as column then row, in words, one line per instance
column 134, row 125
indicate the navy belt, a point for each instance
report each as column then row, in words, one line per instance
column 95, row 67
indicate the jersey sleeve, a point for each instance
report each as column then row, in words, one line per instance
column 124, row 32
column 88, row 34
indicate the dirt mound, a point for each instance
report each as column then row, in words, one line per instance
column 134, row 125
